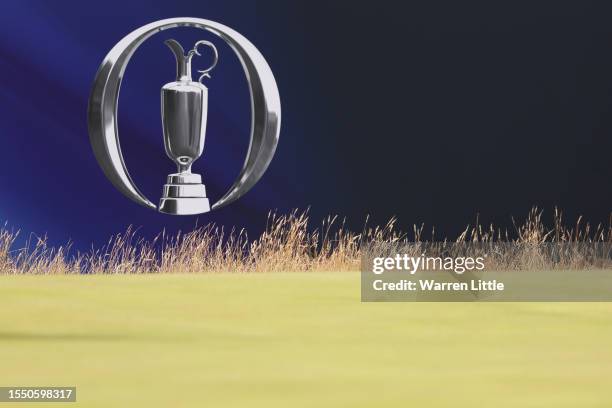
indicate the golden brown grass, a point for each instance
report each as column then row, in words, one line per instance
column 287, row 244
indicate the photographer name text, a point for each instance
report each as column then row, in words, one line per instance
column 430, row 285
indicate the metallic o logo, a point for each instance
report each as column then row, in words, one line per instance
column 184, row 108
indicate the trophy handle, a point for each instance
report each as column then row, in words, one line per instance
column 205, row 72
column 265, row 108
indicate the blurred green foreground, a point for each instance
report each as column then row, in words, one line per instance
column 293, row 340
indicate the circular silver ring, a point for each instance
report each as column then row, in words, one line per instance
column 104, row 98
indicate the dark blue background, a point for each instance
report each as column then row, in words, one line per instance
column 431, row 111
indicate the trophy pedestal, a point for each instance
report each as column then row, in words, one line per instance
column 184, row 194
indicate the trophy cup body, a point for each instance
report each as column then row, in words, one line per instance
column 184, row 106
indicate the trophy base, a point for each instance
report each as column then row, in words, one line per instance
column 184, row 205
column 184, row 194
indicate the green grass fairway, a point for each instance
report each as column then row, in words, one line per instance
column 294, row 340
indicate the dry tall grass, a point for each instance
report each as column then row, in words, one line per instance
column 287, row 244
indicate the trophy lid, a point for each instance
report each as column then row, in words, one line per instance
column 183, row 61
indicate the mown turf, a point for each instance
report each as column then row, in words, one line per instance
column 294, row 340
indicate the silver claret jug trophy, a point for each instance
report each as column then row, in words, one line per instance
column 184, row 105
